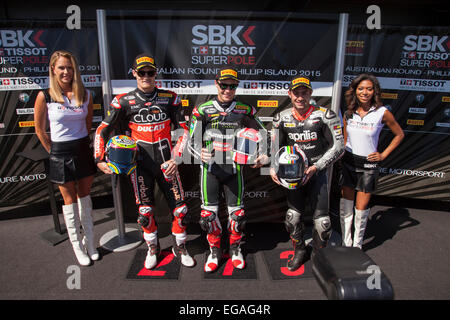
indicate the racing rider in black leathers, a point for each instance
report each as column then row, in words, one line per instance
column 212, row 128
column 148, row 113
column 317, row 131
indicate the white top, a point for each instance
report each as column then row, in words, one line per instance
column 363, row 133
column 67, row 121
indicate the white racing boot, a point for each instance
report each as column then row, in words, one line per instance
column 212, row 262
column 237, row 259
column 179, row 250
column 72, row 221
column 151, row 260
column 85, row 207
column 346, row 218
column 361, row 217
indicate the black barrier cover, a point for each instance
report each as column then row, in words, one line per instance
column 412, row 65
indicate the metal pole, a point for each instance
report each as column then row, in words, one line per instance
column 104, row 57
column 339, row 66
column 338, row 74
column 115, row 240
column 107, row 96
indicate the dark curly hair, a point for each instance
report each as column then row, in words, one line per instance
column 350, row 94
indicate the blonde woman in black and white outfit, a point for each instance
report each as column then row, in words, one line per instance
column 67, row 107
column 363, row 121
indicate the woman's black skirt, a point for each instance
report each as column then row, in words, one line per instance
column 71, row 161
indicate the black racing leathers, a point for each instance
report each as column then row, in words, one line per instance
column 149, row 119
column 213, row 126
column 319, row 134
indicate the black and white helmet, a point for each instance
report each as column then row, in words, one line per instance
column 290, row 165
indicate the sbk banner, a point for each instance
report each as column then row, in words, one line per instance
column 25, row 51
column 267, row 52
column 413, row 67
column 411, row 64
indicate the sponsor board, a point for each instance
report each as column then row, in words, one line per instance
column 25, row 124
column 412, row 172
column 354, row 48
column 207, row 87
column 415, row 122
column 25, row 111
column 247, row 194
column 427, row 85
column 37, row 83
column 267, row 103
column 28, row 178
column 417, row 110
column 386, row 95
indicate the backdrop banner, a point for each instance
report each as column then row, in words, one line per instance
column 411, row 63
column 189, row 51
column 25, row 50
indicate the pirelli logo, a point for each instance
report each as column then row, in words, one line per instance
column 25, row 124
column 185, row 103
column 267, row 103
column 97, row 106
column 414, row 122
column 164, row 95
column 445, row 99
column 228, row 72
column 386, row 95
column 300, row 80
column 145, row 59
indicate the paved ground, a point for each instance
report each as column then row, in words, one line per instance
column 410, row 245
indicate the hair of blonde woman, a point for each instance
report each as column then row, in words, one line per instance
column 55, row 91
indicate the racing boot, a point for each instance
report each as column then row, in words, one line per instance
column 85, row 207
column 151, row 260
column 72, row 221
column 361, row 217
column 236, row 256
column 212, row 262
column 321, row 234
column 299, row 255
column 346, row 219
column 179, row 250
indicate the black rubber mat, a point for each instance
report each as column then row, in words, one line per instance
column 276, row 261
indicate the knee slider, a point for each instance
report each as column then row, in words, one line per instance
column 209, row 221
column 237, row 220
column 145, row 216
column 293, row 224
column 180, row 213
column 322, row 226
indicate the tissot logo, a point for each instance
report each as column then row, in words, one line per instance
column 406, row 82
column 423, row 83
column 250, row 85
